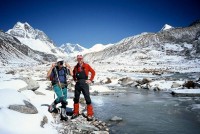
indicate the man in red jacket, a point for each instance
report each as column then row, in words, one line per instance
column 80, row 75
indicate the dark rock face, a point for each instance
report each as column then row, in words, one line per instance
column 28, row 108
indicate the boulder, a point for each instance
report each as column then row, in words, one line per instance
column 116, row 118
column 11, row 72
column 134, row 84
column 175, row 85
column 126, row 81
column 145, row 86
column 108, row 81
column 32, row 84
column 156, row 89
column 28, row 108
column 145, row 81
column 189, row 84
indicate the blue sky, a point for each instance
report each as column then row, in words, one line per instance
column 88, row 22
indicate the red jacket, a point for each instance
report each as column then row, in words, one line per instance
column 87, row 69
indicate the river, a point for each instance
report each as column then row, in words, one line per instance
column 148, row 112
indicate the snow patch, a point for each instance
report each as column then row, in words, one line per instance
column 13, row 84
column 10, row 96
column 166, row 27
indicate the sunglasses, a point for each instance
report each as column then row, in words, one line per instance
column 60, row 62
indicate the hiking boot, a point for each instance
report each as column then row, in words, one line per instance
column 74, row 116
column 90, row 118
column 90, row 112
column 63, row 115
column 52, row 108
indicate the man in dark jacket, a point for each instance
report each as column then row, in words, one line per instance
column 80, row 75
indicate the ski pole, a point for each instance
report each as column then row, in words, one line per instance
column 67, row 75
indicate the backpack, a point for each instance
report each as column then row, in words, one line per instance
column 53, row 78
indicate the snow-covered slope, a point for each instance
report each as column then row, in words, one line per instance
column 34, row 38
column 13, row 52
column 97, row 48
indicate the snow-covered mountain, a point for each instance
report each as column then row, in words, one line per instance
column 34, row 38
column 166, row 27
column 170, row 47
column 13, row 52
column 72, row 49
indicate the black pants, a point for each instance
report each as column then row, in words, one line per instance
column 83, row 87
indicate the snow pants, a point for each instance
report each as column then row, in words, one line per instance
column 61, row 95
column 83, row 87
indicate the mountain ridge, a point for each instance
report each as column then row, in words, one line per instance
column 151, row 40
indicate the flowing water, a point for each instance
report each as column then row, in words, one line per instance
column 148, row 112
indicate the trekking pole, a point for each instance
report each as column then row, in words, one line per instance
column 67, row 76
column 59, row 84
